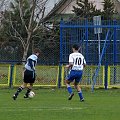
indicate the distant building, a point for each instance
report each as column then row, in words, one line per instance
column 117, row 5
column 64, row 8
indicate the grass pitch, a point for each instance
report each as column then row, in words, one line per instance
column 51, row 104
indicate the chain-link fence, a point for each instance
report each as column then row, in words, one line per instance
column 114, row 76
column 101, row 47
column 87, row 76
column 45, row 75
column 81, row 32
column 4, row 74
column 71, row 32
column 48, row 76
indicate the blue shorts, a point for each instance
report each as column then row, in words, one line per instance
column 75, row 75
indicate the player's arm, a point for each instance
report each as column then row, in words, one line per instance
column 31, row 63
column 69, row 65
column 84, row 63
column 71, row 60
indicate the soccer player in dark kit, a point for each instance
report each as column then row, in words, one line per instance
column 29, row 74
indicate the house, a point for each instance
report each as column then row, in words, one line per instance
column 64, row 8
column 117, row 5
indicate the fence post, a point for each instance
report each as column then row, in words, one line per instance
column 86, row 38
column 59, row 77
column 11, row 74
column 106, row 76
column 115, row 44
column 61, row 53
column 115, row 50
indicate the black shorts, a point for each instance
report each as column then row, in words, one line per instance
column 29, row 76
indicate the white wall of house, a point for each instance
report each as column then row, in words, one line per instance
column 98, row 3
column 117, row 5
column 67, row 7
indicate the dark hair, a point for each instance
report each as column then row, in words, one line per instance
column 36, row 50
column 75, row 46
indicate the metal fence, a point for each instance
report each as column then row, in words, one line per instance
column 14, row 53
column 11, row 75
column 82, row 33
column 48, row 76
column 101, row 47
column 50, row 69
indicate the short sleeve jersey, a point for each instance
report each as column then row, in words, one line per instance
column 78, row 61
column 31, row 62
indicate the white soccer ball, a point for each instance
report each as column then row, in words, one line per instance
column 31, row 94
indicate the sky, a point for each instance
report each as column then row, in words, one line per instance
column 50, row 5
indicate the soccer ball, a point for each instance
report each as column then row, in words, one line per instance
column 31, row 94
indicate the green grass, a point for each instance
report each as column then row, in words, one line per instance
column 51, row 104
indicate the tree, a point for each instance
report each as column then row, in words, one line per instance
column 108, row 9
column 24, row 20
column 85, row 9
column 2, row 5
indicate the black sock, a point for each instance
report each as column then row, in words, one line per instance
column 28, row 91
column 18, row 91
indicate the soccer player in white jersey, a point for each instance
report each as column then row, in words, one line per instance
column 76, row 64
column 29, row 74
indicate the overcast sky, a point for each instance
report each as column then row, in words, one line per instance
column 50, row 5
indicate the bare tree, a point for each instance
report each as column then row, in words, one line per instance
column 37, row 8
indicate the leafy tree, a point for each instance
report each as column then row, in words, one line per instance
column 85, row 9
column 108, row 9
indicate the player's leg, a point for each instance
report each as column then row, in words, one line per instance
column 76, row 84
column 79, row 91
column 19, row 90
column 28, row 90
column 25, row 81
column 69, row 79
column 31, row 80
column 70, row 91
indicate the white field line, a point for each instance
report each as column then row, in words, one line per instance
column 40, row 108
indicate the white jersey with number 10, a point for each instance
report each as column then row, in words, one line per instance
column 78, row 61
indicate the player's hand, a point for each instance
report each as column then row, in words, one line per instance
column 67, row 66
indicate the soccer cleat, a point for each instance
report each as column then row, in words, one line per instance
column 70, row 97
column 14, row 97
column 25, row 96
column 82, row 100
